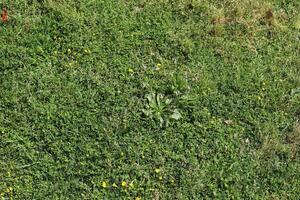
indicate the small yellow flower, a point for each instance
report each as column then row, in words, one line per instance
column 130, row 70
column 160, row 178
column 124, row 184
column 138, row 198
column 157, row 170
column 104, row 184
column 158, row 66
column 69, row 50
column 114, row 185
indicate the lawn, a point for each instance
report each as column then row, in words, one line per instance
column 150, row 99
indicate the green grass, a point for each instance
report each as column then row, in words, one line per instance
column 180, row 99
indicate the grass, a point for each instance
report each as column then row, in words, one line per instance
column 152, row 99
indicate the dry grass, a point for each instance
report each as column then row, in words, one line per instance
column 293, row 140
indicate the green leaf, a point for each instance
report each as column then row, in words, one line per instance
column 295, row 91
column 297, row 23
column 176, row 115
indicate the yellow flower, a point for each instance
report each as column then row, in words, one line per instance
column 157, row 170
column 69, row 50
column 104, row 184
column 138, row 198
column 124, row 184
column 114, row 185
column 130, row 70
column 157, row 67
column 160, row 178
